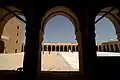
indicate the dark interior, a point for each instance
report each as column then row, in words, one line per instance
column 94, row 68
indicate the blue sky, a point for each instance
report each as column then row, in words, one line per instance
column 60, row 29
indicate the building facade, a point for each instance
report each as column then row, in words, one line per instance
column 12, row 36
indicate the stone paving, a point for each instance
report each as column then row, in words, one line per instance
column 11, row 61
column 50, row 62
column 54, row 62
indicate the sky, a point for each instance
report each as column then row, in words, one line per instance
column 61, row 29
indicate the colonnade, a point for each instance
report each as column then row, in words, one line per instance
column 108, row 48
column 60, row 48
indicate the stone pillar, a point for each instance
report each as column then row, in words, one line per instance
column 58, row 48
column 51, row 47
column 75, row 48
column 109, row 47
column 67, row 48
column 64, row 48
column 55, row 48
column 114, row 47
column 97, row 47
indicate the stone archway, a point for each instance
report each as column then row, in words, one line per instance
column 45, row 48
column 6, row 26
column 108, row 50
column 114, row 18
column 100, row 48
column 49, row 48
column 53, row 48
column 65, row 48
column 57, row 48
column 104, row 48
column 6, row 16
column 61, row 48
column 97, row 48
column 112, row 49
column 77, row 48
column 64, row 11
column 69, row 47
column 116, row 48
column 73, row 48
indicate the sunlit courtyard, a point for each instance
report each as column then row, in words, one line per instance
column 55, row 61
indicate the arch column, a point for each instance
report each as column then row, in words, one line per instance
column 71, row 47
column 59, row 48
column 46, row 47
column 75, row 48
column 97, row 48
column 51, row 47
column 110, row 47
column 67, row 48
column 114, row 47
column 55, row 48
column 105, row 48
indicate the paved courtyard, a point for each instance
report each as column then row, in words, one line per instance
column 54, row 62
column 64, row 61
column 50, row 62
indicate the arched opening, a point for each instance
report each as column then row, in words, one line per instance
column 73, row 48
column 53, row 48
column 65, row 48
column 100, row 48
column 49, row 48
column 108, row 50
column 107, row 28
column 69, row 47
column 12, row 36
column 65, row 35
column 112, row 49
column 77, row 48
column 116, row 48
column 61, row 48
column 104, row 48
column 57, row 48
column 45, row 48
column 97, row 48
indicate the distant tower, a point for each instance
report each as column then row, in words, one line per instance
column 12, row 36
